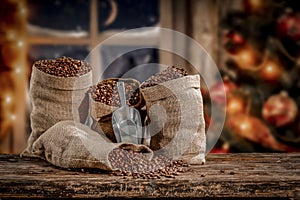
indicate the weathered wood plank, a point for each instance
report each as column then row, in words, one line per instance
column 229, row 175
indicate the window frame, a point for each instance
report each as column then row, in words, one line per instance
column 95, row 37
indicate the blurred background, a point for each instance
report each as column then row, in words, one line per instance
column 255, row 44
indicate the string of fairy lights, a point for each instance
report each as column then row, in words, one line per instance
column 13, row 67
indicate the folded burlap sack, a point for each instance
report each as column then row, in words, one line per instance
column 55, row 98
column 69, row 144
column 101, row 111
column 177, row 126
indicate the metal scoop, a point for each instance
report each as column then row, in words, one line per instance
column 126, row 121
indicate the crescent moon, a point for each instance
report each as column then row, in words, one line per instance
column 113, row 14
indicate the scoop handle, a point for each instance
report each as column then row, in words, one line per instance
column 121, row 91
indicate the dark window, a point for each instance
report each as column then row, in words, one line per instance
column 66, row 15
column 37, row 52
column 127, row 14
column 129, row 65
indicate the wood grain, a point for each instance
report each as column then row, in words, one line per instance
column 228, row 175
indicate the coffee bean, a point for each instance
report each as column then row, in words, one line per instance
column 63, row 67
column 137, row 165
column 106, row 92
column 166, row 75
column 169, row 176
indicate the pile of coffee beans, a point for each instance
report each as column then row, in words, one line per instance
column 166, row 75
column 63, row 67
column 137, row 165
column 106, row 92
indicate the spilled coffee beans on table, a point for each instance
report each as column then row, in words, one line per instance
column 166, row 75
column 137, row 165
column 106, row 92
column 63, row 67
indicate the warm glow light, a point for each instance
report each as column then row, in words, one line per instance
column 18, row 70
column 8, row 99
column 235, row 105
column 11, row 35
column 13, row 117
column 256, row 3
column 23, row 10
column 270, row 68
column 244, row 126
column 20, row 43
column 246, row 56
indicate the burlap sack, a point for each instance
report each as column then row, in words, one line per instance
column 54, row 99
column 177, row 126
column 102, row 118
column 68, row 144
column 102, row 113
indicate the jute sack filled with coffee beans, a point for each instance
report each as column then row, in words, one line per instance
column 104, row 100
column 69, row 144
column 175, row 108
column 57, row 89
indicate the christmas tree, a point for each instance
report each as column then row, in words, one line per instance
column 261, row 77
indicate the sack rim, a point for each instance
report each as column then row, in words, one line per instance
column 62, row 83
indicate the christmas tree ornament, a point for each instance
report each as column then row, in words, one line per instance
column 254, row 6
column 280, row 110
column 221, row 150
column 220, row 91
column 236, row 104
column 248, row 58
column 271, row 70
column 253, row 129
column 233, row 41
column 288, row 26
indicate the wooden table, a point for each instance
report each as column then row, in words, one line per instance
column 229, row 175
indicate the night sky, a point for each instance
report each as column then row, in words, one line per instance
column 74, row 14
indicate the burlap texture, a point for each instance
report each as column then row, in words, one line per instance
column 177, row 126
column 102, row 118
column 69, row 144
column 102, row 113
column 54, row 99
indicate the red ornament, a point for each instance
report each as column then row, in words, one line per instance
column 234, row 37
column 253, row 129
column 221, row 150
column 288, row 26
column 271, row 70
column 220, row 89
column 280, row 110
column 233, row 41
